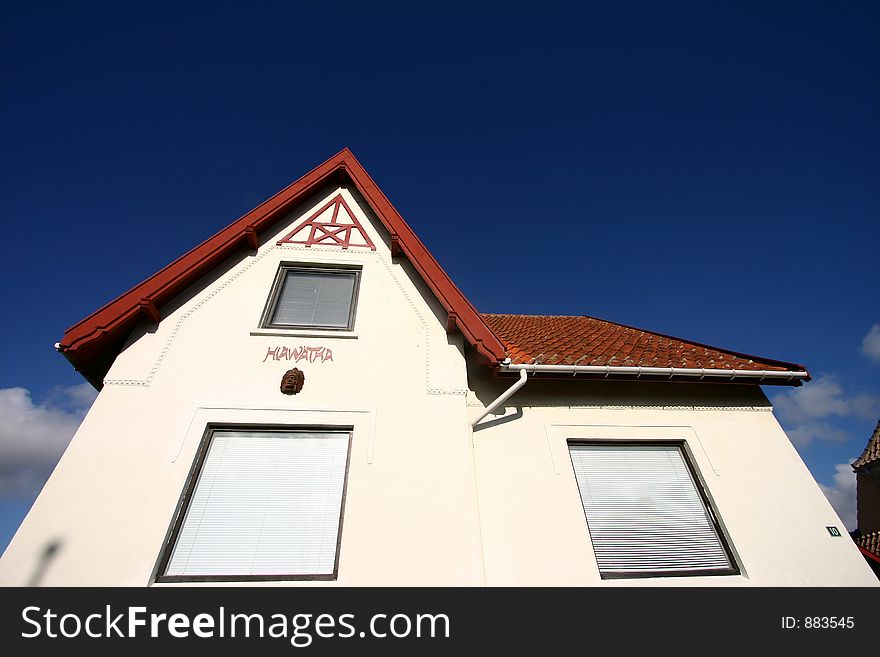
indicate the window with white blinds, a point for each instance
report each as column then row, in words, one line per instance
column 646, row 516
column 265, row 504
column 313, row 298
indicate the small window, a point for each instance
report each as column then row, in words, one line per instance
column 305, row 297
column 646, row 514
column 261, row 504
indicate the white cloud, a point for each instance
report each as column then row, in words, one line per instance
column 842, row 493
column 871, row 343
column 821, row 398
column 76, row 399
column 805, row 433
column 805, row 410
column 33, row 436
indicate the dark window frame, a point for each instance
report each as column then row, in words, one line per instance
column 700, row 486
column 189, row 489
column 266, row 319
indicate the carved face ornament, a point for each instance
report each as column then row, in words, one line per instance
column 292, row 381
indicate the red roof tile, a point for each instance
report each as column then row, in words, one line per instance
column 872, row 450
column 582, row 340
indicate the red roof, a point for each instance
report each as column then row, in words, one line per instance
column 92, row 344
column 872, row 451
column 582, row 340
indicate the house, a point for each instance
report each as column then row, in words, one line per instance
column 867, row 469
column 306, row 398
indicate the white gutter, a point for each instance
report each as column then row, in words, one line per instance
column 668, row 372
column 523, row 377
column 608, row 370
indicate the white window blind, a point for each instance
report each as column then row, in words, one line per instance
column 265, row 503
column 644, row 512
column 315, row 298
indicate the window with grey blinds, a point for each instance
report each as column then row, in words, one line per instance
column 266, row 503
column 319, row 298
column 644, row 512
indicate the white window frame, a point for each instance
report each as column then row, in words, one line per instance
column 696, row 479
column 192, row 482
column 269, row 310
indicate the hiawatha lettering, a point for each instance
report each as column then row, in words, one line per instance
column 296, row 354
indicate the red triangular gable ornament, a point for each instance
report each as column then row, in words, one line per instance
column 334, row 224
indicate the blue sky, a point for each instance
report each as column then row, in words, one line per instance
column 706, row 170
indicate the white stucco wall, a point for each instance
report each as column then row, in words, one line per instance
column 397, row 378
column 772, row 512
column 427, row 503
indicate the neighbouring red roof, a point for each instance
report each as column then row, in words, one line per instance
column 872, row 451
column 582, row 340
column 870, row 543
column 92, row 344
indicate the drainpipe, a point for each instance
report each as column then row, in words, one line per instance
column 523, row 377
